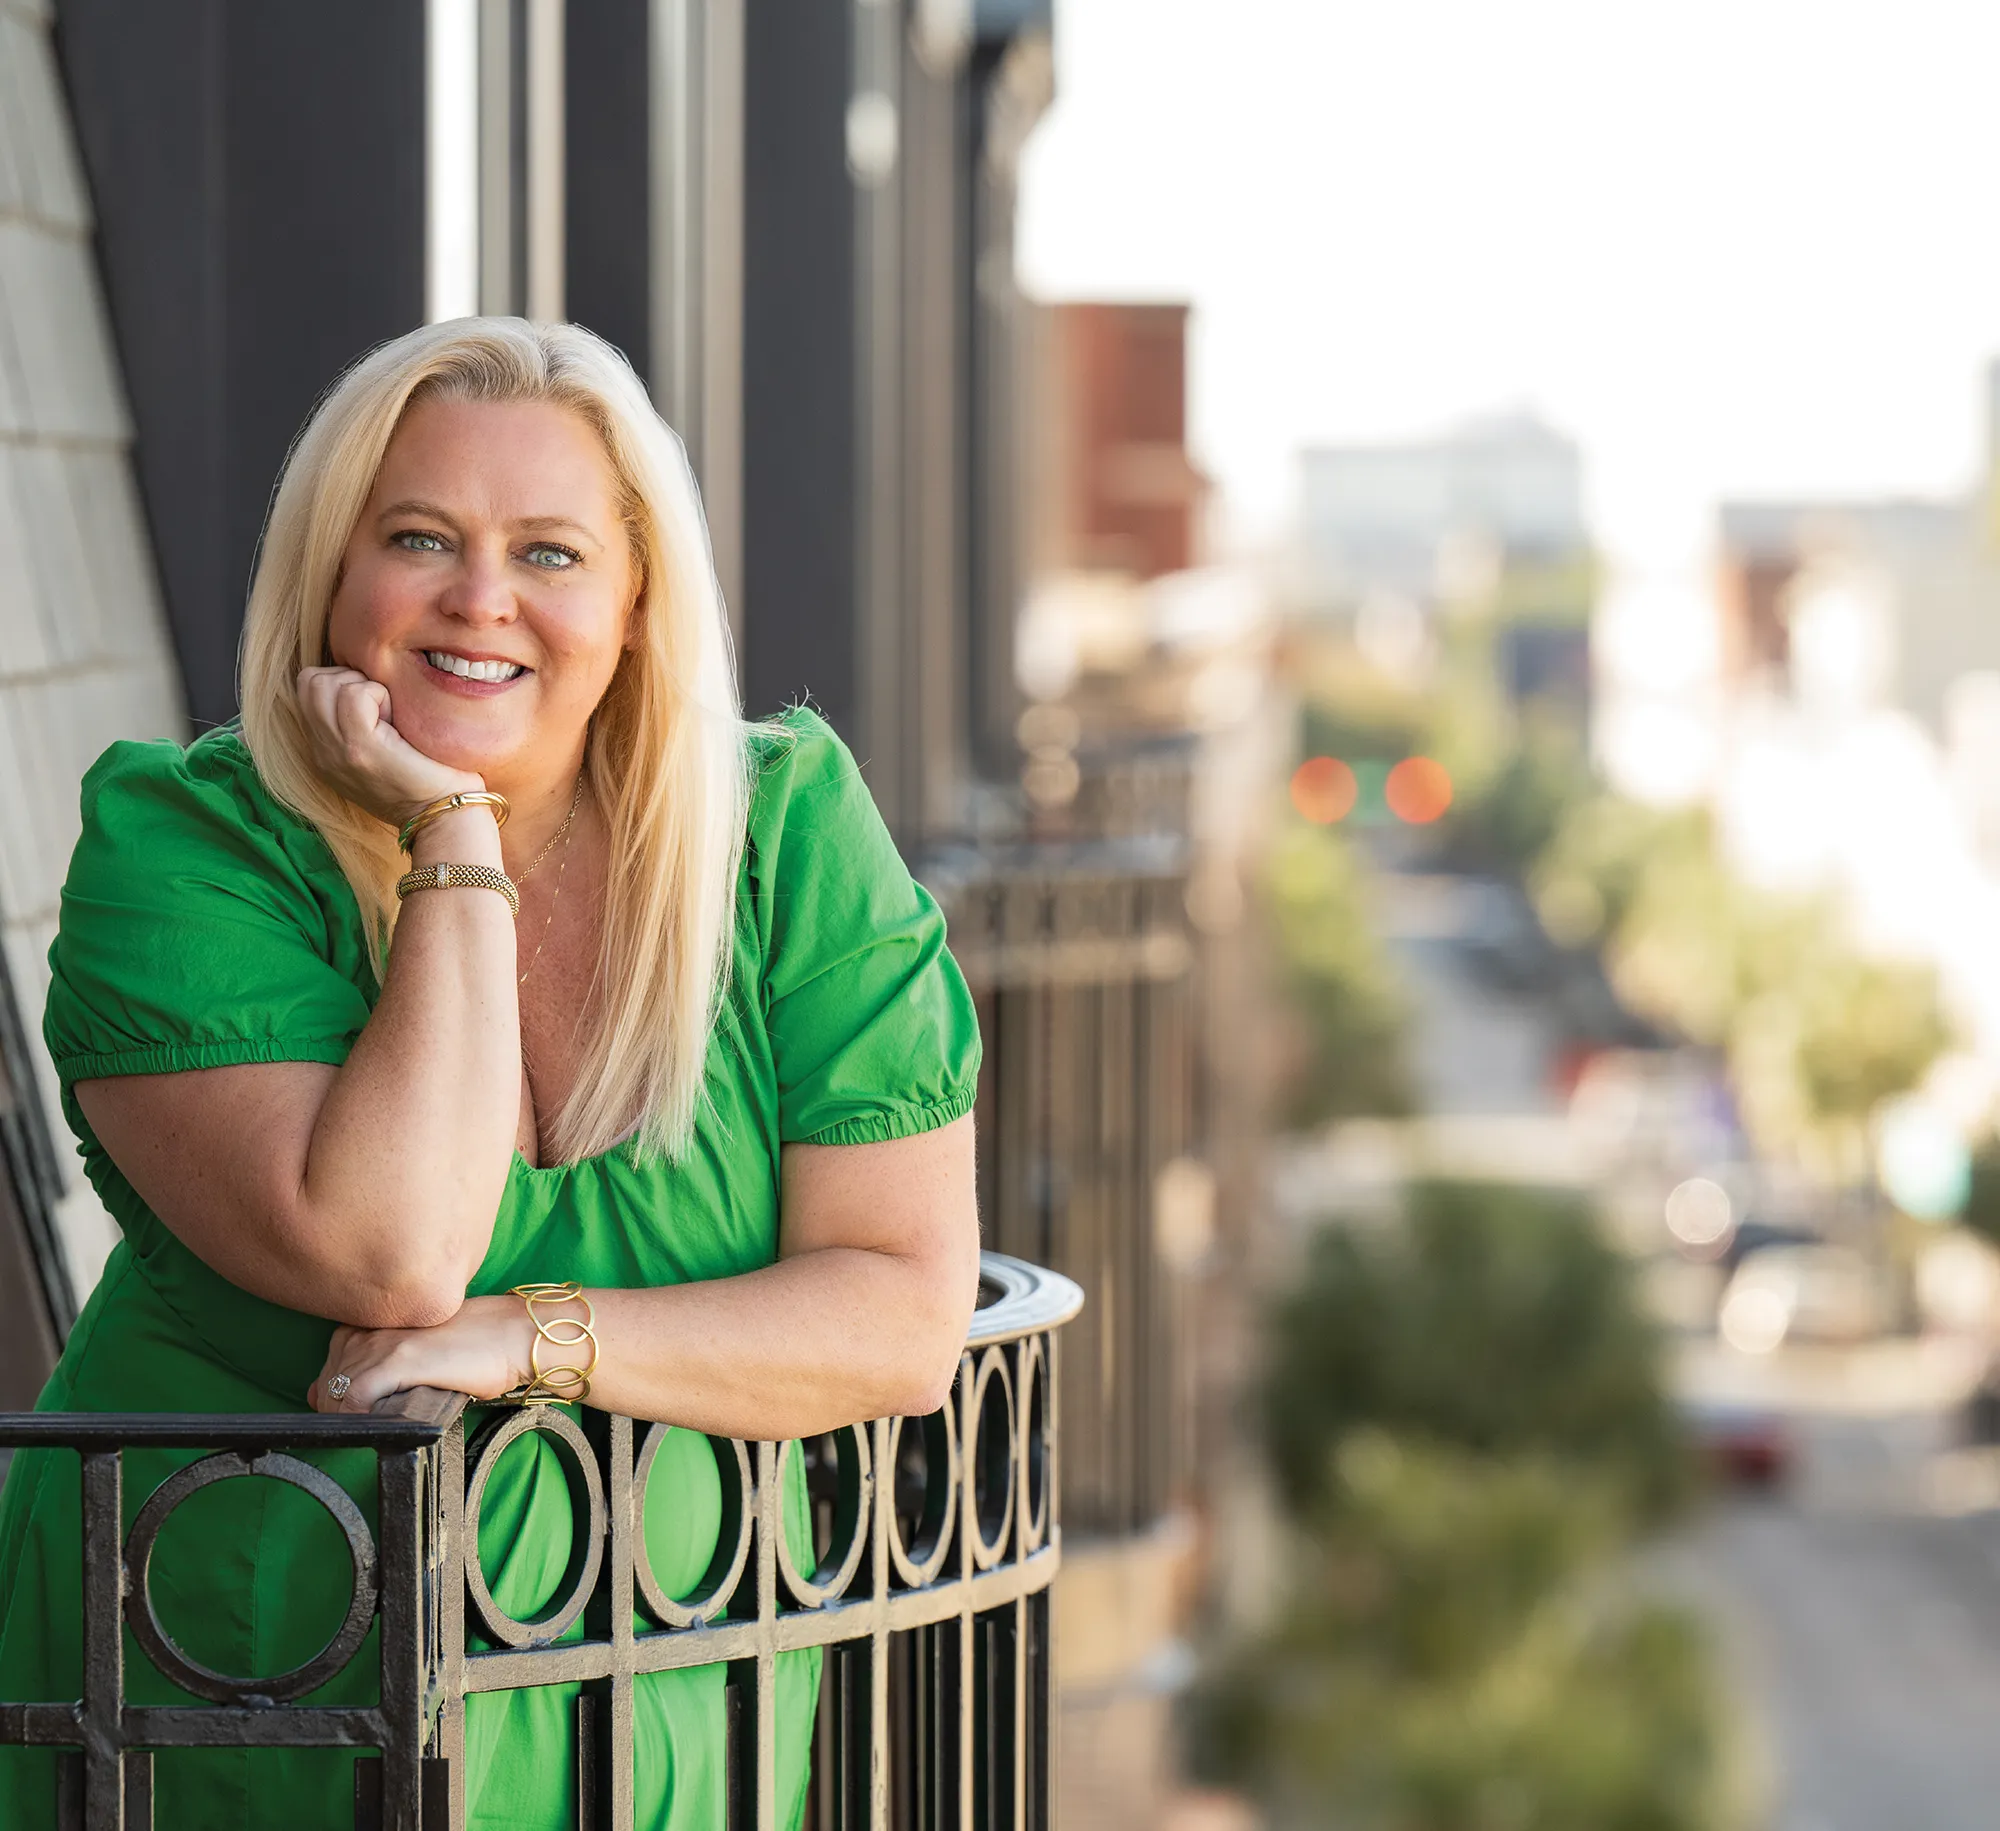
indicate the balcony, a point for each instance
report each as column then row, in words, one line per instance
column 1081, row 963
column 935, row 1542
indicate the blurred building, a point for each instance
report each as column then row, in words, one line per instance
column 1118, row 492
column 1398, row 516
column 1151, row 742
column 1840, row 607
column 1933, row 567
column 796, row 218
column 1486, row 524
column 1858, row 728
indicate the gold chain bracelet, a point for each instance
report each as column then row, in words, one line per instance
column 465, row 877
column 552, row 1385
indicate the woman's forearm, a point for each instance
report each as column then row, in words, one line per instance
column 409, row 1155
column 864, row 1314
column 802, row 1346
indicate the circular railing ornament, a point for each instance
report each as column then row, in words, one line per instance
column 1033, row 1457
column 990, row 1455
column 190, row 1674
column 919, row 1560
column 732, row 1540
column 579, row 1464
column 853, row 1501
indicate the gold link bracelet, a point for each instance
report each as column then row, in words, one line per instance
column 553, row 1385
column 450, row 877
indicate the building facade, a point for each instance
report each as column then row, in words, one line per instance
column 1409, row 545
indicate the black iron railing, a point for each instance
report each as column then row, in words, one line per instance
column 935, row 1542
column 1082, row 962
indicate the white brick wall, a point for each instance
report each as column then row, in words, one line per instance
column 84, row 656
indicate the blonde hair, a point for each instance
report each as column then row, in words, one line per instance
column 668, row 757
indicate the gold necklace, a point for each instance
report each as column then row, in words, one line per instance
column 560, row 838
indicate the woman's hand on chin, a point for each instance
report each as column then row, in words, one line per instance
column 363, row 755
column 482, row 1351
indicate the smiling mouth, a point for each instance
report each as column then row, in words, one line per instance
column 473, row 670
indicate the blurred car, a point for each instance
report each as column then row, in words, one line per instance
column 1681, row 1294
column 1819, row 1292
column 1979, row 1418
column 1751, row 1235
column 1745, row 1446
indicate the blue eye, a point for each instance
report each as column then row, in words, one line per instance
column 417, row 540
column 550, row 556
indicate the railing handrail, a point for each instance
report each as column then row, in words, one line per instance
column 382, row 1429
column 1027, row 1299
column 436, row 1406
column 1016, row 1299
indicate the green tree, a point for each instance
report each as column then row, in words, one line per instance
column 1338, row 986
column 1816, row 1034
column 1438, row 1667
column 1868, row 1031
column 1504, row 822
column 1982, row 1196
column 1495, row 1320
column 1467, row 1424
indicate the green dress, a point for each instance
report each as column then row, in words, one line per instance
column 202, row 925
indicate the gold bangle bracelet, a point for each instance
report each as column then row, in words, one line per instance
column 556, row 1385
column 453, row 877
column 446, row 804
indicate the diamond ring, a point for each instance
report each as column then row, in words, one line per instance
column 336, row 1388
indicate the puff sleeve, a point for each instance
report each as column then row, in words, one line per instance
column 872, row 1030
column 201, row 924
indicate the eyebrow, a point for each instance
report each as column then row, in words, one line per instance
column 526, row 524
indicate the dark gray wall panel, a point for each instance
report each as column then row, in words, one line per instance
column 257, row 168
column 607, row 202
column 798, row 361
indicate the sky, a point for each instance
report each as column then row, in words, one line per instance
column 1733, row 248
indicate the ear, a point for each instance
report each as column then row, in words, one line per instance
column 635, row 619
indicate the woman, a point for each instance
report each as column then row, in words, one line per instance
column 717, row 1076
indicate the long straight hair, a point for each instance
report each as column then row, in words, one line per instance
column 668, row 756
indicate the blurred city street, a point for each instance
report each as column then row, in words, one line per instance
column 1854, row 1586
column 1856, row 1596
column 1859, row 1603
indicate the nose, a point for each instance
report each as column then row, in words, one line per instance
column 480, row 593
